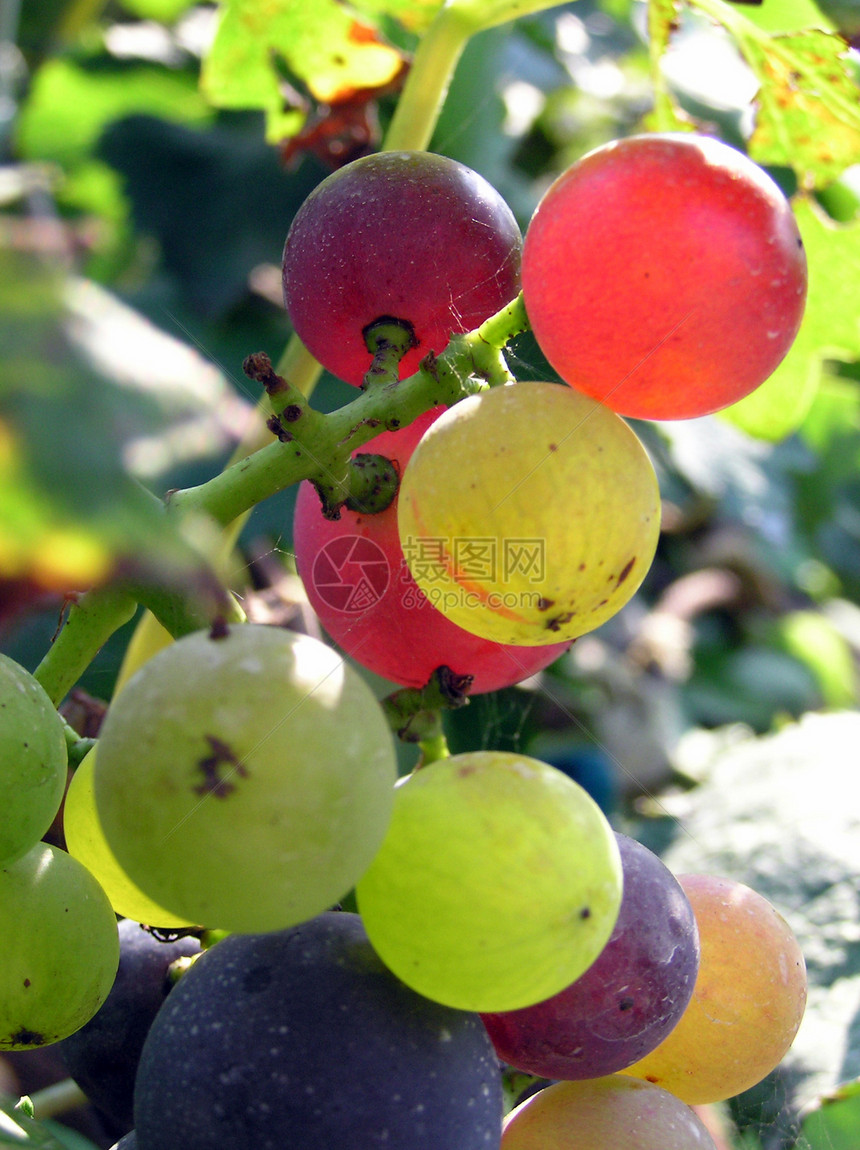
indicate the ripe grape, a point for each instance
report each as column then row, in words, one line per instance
column 33, row 760
column 358, row 583
column 61, row 948
column 498, row 883
column 302, row 1038
column 246, row 781
column 405, row 235
column 629, row 998
column 664, row 275
column 103, row 1055
column 86, row 842
column 748, row 1000
column 602, row 1114
column 529, row 513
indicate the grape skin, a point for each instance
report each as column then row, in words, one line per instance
column 302, row 1038
column 33, row 761
column 244, row 782
column 86, row 842
column 103, row 1055
column 628, row 1000
column 747, row 1003
column 63, row 952
column 498, row 883
column 400, row 635
column 539, row 471
column 604, row 1114
column 664, row 275
column 366, row 244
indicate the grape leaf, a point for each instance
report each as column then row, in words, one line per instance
column 19, row 1128
column 834, row 1123
column 326, row 47
column 69, row 105
column 808, row 104
column 415, row 15
column 830, row 329
column 70, row 511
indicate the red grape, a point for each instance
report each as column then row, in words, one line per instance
column 664, row 275
column 628, row 1000
column 409, row 235
column 359, row 585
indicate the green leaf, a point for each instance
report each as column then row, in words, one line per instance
column 830, row 329
column 814, row 640
column 415, row 15
column 19, row 1128
column 70, row 511
column 808, row 105
column 166, row 11
column 834, row 1124
column 327, row 47
column 69, row 105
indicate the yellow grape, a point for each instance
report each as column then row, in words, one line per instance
column 85, row 841
column 747, row 1003
column 529, row 513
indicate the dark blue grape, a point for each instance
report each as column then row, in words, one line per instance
column 102, row 1056
column 303, row 1039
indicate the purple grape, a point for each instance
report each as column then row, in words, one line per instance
column 628, row 1000
column 406, row 235
column 102, row 1056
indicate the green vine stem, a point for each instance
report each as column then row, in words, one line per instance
column 91, row 621
column 316, row 446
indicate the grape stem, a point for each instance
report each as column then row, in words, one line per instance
column 59, row 1098
column 307, row 445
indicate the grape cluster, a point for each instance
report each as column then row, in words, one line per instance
column 245, row 779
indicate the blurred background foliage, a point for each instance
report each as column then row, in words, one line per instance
column 147, row 182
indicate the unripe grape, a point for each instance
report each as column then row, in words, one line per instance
column 245, row 781
column 33, row 761
column 747, row 1003
column 664, row 275
column 529, row 513
column 85, row 841
column 61, row 948
column 406, row 235
column 498, row 883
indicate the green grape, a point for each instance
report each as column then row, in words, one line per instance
column 498, row 884
column 529, row 514
column 85, row 841
column 604, row 1114
column 245, row 782
column 60, row 948
column 32, row 760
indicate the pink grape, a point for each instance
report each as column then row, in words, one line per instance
column 359, row 584
column 664, row 275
